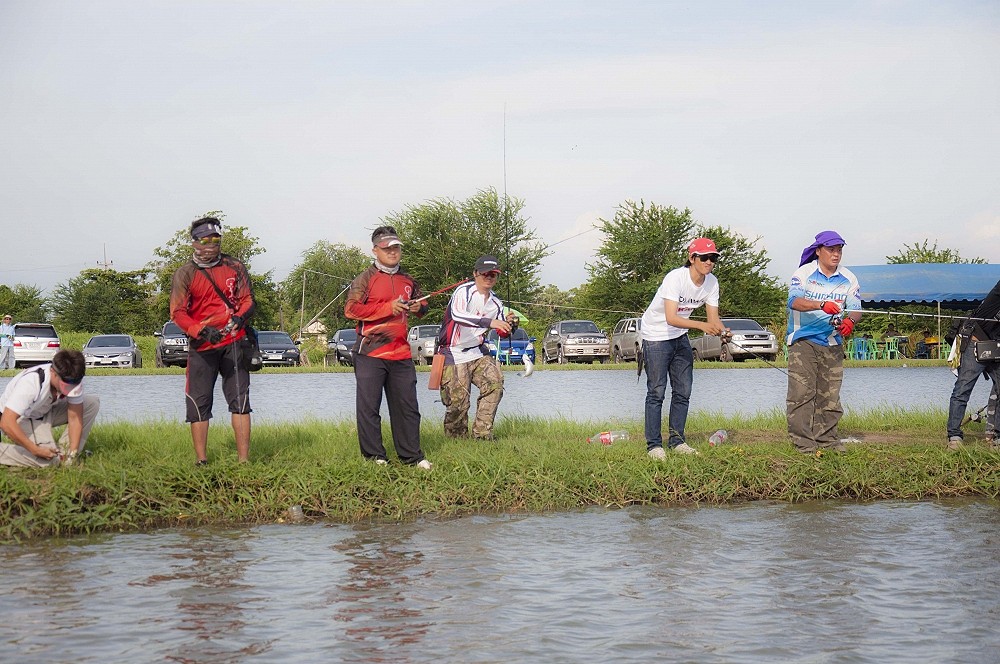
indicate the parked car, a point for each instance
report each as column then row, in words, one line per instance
column 423, row 342
column 625, row 340
column 112, row 350
column 277, row 349
column 513, row 349
column 171, row 346
column 342, row 345
column 750, row 339
column 34, row 343
column 575, row 340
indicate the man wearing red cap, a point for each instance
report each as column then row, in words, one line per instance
column 820, row 295
column 666, row 350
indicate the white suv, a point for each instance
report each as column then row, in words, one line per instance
column 626, row 340
column 34, row 343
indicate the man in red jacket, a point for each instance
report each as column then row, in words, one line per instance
column 211, row 299
column 381, row 299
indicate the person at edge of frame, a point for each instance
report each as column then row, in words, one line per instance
column 381, row 299
column 666, row 349
column 966, row 332
column 7, row 332
column 824, row 303
column 211, row 299
column 473, row 311
column 42, row 397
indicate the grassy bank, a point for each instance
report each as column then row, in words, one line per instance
column 141, row 476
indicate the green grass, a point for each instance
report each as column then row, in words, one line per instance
column 142, row 475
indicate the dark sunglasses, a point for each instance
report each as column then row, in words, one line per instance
column 490, row 275
column 212, row 239
column 71, row 381
column 704, row 258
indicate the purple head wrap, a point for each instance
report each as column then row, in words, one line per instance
column 824, row 239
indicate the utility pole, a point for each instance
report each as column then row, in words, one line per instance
column 107, row 265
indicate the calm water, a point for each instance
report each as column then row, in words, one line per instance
column 820, row 582
column 577, row 395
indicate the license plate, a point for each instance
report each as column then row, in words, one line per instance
column 274, row 357
column 105, row 362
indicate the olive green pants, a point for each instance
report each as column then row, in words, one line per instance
column 815, row 374
column 456, row 394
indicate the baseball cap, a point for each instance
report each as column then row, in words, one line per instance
column 701, row 246
column 487, row 263
column 205, row 227
column 386, row 240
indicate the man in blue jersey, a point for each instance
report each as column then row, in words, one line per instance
column 824, row 303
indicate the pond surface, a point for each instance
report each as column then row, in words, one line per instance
column 575, row 395
column 818, row 582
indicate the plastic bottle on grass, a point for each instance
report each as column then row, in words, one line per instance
column 718, row 438
column 608, row 437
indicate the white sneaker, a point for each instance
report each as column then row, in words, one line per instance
column 656, row 453
column 381, row 462
column 684, row 448
column 955, row 443
column 425, row 464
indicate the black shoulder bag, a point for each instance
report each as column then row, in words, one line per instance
column 249, row 348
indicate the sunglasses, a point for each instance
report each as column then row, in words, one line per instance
column 71, row 381
column 704, row 258
column 212, row 239
column 490, row 275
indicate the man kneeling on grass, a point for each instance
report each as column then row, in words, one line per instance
column 43, row 397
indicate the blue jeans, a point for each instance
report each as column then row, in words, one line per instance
column 969, row 371
column 665, row 359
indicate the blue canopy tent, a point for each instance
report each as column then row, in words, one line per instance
column 947, row 285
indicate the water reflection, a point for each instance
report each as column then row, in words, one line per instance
column 825, row 582
column 576, row 395
column 373, row 600
column 214, row 604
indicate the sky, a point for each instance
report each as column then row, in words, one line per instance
column 121, row 122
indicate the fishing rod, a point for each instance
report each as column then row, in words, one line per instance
column 914, row 315
column 439, row 291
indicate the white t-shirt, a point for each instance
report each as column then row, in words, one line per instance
column 677, row 287
column 467, row 321
column 27, row 398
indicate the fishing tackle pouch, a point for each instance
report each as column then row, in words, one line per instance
column 987, row 351
column 250, row 351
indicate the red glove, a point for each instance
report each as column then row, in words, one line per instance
column 846, row 327
column 830, row 307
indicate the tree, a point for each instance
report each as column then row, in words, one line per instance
column 644, row 242
column 105, row 302
column 443, row 238
column 24, row 303
column 238, row 243
column 641, row 243
column 325, row 273
column 921, row 253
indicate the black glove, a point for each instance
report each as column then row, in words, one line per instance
column 235, row 323
column 210, row 335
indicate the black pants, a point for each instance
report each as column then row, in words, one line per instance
column 399, row 380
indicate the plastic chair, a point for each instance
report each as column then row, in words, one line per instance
column 922, row 352
column 891, row 351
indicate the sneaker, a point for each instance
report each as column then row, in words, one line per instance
column 684, row 448
column 425, row 464
column 201, row 462
column 955, row 443
column 993, row 443
column 381, row 462
column 656, row 453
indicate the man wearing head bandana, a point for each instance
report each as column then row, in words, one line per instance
column 821, row 295
column 211, row 299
